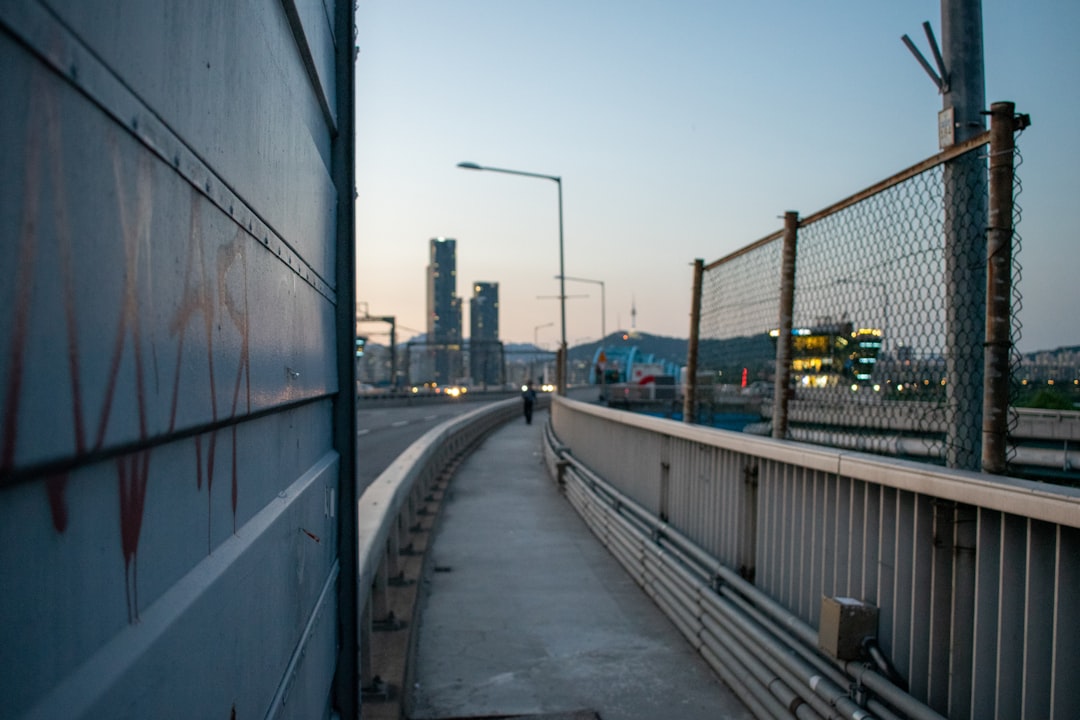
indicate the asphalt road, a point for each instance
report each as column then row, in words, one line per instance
column 383, row 433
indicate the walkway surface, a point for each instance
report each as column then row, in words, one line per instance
column 524, row 612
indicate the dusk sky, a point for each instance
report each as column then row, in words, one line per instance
column 681, row 130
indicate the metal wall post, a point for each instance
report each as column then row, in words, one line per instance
column 364, row 655
column 781, row 391
column 690, row 391
column 347, row 671
column 965, row 213
column 999, row 235
column 393, row 355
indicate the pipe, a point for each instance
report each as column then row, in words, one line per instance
column 766, row 674
column 761, row 703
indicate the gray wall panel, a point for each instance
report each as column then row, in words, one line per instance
column 56, row 537
column 170, row 416
column 169, row 315
column 227, row 78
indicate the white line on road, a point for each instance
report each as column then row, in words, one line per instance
column 362, row 432
column 399, row 423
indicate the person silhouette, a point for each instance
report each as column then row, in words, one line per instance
column 528, row 399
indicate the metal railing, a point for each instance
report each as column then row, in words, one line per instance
column 975, row 578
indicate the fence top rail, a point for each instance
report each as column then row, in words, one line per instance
column 1037, row 501
column 940, row 158
column 744, row 250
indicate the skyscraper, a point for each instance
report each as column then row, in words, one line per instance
column 443, row 312
column 485, row 356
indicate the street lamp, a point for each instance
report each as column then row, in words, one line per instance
column 603, row 302
column 562, row 271
column 536, row 345
column 536, row 333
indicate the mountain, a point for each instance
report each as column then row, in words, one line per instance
column 666, row 348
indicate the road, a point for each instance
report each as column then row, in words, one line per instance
column 383, row 433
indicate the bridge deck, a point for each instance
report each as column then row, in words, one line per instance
column 525, row 613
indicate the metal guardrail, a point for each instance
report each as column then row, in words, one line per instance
column 390, row 508
column 740, row 539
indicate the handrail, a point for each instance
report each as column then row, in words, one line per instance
column 1038, row 501
column 937, row 552
column 765, row 633
column 386, row 497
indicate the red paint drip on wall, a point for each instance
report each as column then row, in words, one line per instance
column 24, row 288
column 55, row 487
column 231, row 255
column 132, row 472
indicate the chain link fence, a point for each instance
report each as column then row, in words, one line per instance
column 888, row 316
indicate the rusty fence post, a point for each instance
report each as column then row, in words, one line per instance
column 781, row 392
column 999, row 237
column 690, row 391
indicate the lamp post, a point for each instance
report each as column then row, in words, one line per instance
column 536, row 333
column 603, row 309
column 536, row 345
column 562, row 271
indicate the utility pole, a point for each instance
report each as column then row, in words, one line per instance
column 962, row 85
column 965, row 186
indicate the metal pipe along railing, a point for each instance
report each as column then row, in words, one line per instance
column 765, row 653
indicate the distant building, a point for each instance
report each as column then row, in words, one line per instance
column 443, row 313
column 485, row 351
column 833, row 354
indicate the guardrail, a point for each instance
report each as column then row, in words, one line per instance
column 740, row 539
column 390, row 508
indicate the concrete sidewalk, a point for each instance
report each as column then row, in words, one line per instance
column 524, row 612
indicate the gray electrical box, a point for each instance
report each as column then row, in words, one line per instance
column 845, row 624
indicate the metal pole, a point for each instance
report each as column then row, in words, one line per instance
column 503, row 378
column 783, row 341
column 998, row 291
column 603, row 303
column 561, row 370
column 690, row 391
column 347, row 670
column 965, row 214
column 393, row 354
column 603, row 314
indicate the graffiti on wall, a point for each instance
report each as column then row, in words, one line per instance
column 211, row 304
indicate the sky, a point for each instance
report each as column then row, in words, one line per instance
column 680, row 130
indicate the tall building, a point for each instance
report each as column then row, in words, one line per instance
column 443, row 313
column 485, row 351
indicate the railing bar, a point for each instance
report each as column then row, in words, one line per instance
column 744, row 250
column 941, row 158
column 1065, row 700
column 1038, row 633
column 1012, row 591
column 871, row 544
column 921, row 617
column 904, row 581
column 987, row 610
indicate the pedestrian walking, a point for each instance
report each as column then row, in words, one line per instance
column 528, row 399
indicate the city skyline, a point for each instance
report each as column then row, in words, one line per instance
column 678, row 134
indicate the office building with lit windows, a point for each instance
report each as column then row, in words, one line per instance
column 485, row 351
column 832, row 354
column 443, row 313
